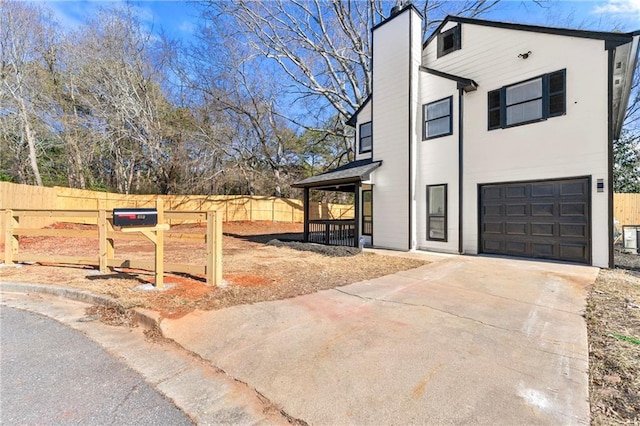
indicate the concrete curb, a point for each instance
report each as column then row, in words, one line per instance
column 144, row 317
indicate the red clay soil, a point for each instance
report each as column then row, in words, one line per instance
column 253, row 271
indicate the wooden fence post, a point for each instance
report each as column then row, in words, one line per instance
column 214, row 248
column 102, row 237
column 10, row 241
column 159, row 243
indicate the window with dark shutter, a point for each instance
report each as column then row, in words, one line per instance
column 449, row 41
column 528, row 101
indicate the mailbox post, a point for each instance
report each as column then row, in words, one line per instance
column 150, row 223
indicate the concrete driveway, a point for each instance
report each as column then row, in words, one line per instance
column 463, row 340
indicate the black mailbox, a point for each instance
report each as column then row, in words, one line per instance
column 135, row 217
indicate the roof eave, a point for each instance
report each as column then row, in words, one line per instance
column 351, row 122
column 626, row 91
column 611, row 37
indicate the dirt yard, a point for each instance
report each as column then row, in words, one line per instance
column 253, row 270
column 256, row 270
column 613, row 324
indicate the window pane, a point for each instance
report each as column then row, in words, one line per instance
column 436, row 228
column 524, row 91
column 365, row 144
column 365, row 130
column 436, row 200
column 448, row 42
column 524, row 112
column 441, row 126
column 438, row 109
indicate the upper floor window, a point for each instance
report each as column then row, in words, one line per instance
column 529, row 101
column 437, row 118
column 449, row 41
column 365, row 137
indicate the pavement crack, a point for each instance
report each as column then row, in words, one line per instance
column 421, row 305
column 174, row 375
column 133, row 390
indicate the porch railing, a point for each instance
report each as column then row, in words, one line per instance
column 333, row 232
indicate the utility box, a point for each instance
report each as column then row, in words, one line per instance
column 631, row 239
column 135, row 217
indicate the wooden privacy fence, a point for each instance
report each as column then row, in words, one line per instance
column 626, row 209
column 106, row 234
column 232, row 207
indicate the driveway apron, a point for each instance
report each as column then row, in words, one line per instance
column 461, row 340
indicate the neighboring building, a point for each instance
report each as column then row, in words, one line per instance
column 488, row 138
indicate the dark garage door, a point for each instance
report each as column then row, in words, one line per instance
column 540, row 219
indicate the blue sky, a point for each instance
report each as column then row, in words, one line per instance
column 179, row 19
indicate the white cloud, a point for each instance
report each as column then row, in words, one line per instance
column 620, row 7
column 188, row 27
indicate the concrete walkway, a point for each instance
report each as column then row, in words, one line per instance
column 469, row 340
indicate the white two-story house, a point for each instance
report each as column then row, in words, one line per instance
column 489, row 137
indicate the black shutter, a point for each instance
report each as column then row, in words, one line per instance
column 557, row 93
column 495, row 109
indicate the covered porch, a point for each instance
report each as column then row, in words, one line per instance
column 324, row 226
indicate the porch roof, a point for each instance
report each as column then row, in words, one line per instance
column 349, row 173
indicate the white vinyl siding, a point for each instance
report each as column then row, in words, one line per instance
column 575, row 145
column 393, row 141
column 437, row 163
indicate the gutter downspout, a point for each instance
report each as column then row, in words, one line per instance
column 460, row 165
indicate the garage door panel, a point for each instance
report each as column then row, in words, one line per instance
column 573, row 188
column 575, row 252
column 542, row 229
column 492, row 210
column 513, row 228
column 516, row 210
column 573, row 209
column 542, row 209
column 518, row 248
column 544, row 250
column 548, row 220
column 542, row 190
column 573, row 230
column 492, row 228
column 491, row 193
column 516, row 191
column 492, row 246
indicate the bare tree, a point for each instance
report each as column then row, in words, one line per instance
column 23, row 32
column 322, row 46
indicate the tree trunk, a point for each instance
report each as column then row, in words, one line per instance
column 31, row 142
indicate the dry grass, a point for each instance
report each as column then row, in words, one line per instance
column 254, row 271
column 613, row 320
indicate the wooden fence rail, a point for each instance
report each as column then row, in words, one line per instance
column 106, row 233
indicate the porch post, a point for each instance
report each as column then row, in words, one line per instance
column 357, row 216
column 305, row 207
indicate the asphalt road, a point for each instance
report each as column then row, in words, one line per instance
column 50, row 374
